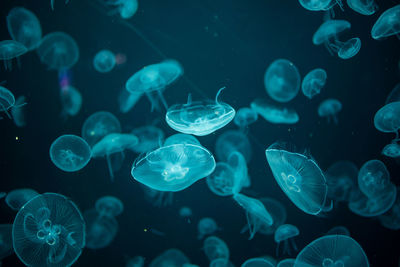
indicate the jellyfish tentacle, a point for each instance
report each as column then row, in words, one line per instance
column 110, row 170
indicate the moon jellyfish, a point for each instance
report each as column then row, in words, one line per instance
column 158, row 198
column 52, row 3
column 391, row 150
column 244, row 117
column 286, row 263
column 104, row 61
column 185, row 212
column 181, row 139
column 70, row 153
column 172, row 258
column 17, row 198
column 278, row 215
column 275, row 113
column 178, row 166
column 231, row 141
column 215, row 248
column 150, row 138
column 200, row 117
column 391, row 219
column 299, row 177
column 332, row 250
column 100, row 230
column 7, row 100
column 257, row 262
column 6, row 243
column 206, row 226
column 221, row 262
column 341, row 178
column 125, row 8
column 128, row 100
column 282, row 80
column 58, row 51
column 313, row 82
column 98, row 125
column 71, row 100
column 109, row 206
column 24, row 27
column 350, row 48
column 49, row 230
column 387, row 118
column 137, row 261
column 285, row 233
column 338, row 230
column 222, row 180
column 388, row 24
column 364, row 7
column 316, row 5
column 238, row 163
column 18, row 112
column 10, row 49
column 329, row 108
column 373, row 178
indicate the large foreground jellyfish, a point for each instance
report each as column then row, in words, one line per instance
column 71, row 100
column 109, row 206
column 332, row 251
column 206, row 226
column 200, row 117
column 391, row 219
column 49, row 230
column 231, row 141
column 282, row 80
column 373, row 178
column 104, row 61
column 299, row 177
column 364, row 7
column 98, row 125
column 388, row 24
column 222, row 180
column 100, row 230
column 125, row 8
column 10, row 49
column 6, row 244
column 150, row 138
column 215, row 248
column 172, row 257
column 257, row 262
column 341, row 178
column 18, row 112
column 174, row 167
column 244, row 117
column 387, row 118
column 17, row 198
column 329, row 109
column 275, row 113
column 313, row 82
column 391, row 150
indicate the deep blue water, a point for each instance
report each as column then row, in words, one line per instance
column 219, row 43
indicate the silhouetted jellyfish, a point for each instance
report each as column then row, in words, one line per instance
column 185, row 212
column 137, row 261
column 98, row 125
column 231, row 141
column 222, row 180
column 6, row 243
column 364, row 7
column 18, row 111
column 299, row 177
column 338, row 230
column 391, row 219
column 332, row 251
column 257, row 262
column 238, row 163
column 388, row 24
column 10, row 49
column 244, row 117
column 200, row 117
column 58, row 51
column 16, row 198
column 313, row 82
column 278, row 215
column 275, row 113
column 350, row 48
column 387, row 118
column 329, row 109
column 100, row 230
column 282, row 80
column 157, row 198
column 178, row 166
column 394, row 95
column 104, row 61
column 391, row 150
column 154, row 79
column 109, row 206
column 52, row 3
column 24, row 27
column 71, row 100
column 285, row 233
column 180, row 138
column 373, row 178
column 286, row 263
column 256, row 213
column 7, row 100
column 125, row 8
column 206, row 226
column 70, row 153
column 221, row 262
column 172, row 258
column 150, row 138
column 128, row 100
column 49, row 230
column 341, row 178
column 215, row 248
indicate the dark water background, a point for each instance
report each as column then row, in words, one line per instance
column 219, row 43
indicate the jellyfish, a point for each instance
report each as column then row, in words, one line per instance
column 180, row 138
column 285, row 233
column 150, row 138
column 206, row 226
column 391, row 150
column 313, row 82
column 231, row 141
column 58, row 51
column 341, row 178
column 222, row 181
column 221, row 262
column 278, row 215
column 128, row 100
column 178, row 166
column 200, row 117
column 172, row 257
column 98, row 125
column 104, row 61
column 388, row 24
column 338, row 230
column 332, row 251
column 286, row 263
column 18, row 112
column 391, row 219
column 394, row 95
column 350, row 48
column 100, row 230
column 373, row 178
column 256, row 213
column 70, row 153
column 257, row 262
column 185, row 212
column 238, row 163
column 318, row 5
column 244, row 117
column 137, row 261
column 109, row 206
column 363, row 7
column 215, row 248
column 52, row 3
column 10, row 49
column 275, row 113
column 7, row 101
column 45, row 236
column 299, row 177
column 282, row 80
column 17, row 198
column 24, row 27
column 329, row 108
column 6, row 242
column 387, row 118
column 158, row 198
column 71, row 100
column 125, row 8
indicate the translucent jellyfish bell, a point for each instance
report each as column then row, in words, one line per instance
column 373, row 178
column 316, row 5
column 178, row 166
column 222, row 180
column 150, row 138
column 391, row 150
column 109, row 206
column 171, row 257
column 299, row 177
column 200, row 117
column 388, row 24
column 15, row 199
column 329, row 109
column 285, row 233
column 350, row 48
column 338, row 230
column 332, row 250
column 231, row 141
column 341, row 178
column 185, row 212
column 100, row 230
column 181, row 139
column 18, row 112
column 71, row 100
column 244, row 117
column 206, row 226
column 282, row 80
column 275, row 113
column 104, row 61
column 221, row 262
column 364, row 7
column 238, row 163
column 286, row 263
column 387, row 118
column 98, row 125
column 10, row 49
column 7, row 100
column 313, row 82
column 257, row 262
column 44, row 236
column 6, row 243
column 215, row 248
column 125, row 8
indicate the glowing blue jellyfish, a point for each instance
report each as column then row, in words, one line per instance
column 341, row 178
column 109, row 206
column 58, row 51
column 373, row 178
column 244, row 117
column 299, row 177
column 128, row 100
column 350, row 48
column 257, row 262
column 364, row 7
column 7, row 100
column 329, row 108
column 338, row 230
column 52, row 3
column 6, row 243
column 71, row 100
column 45, row 236
column 282, row 80
column 313, row 82
column 391, row 150
column 221, row 262
column 286, row 263
column 100, row 230
column 391, row 219
column 125, row 8
column 104, row 61
column 387, row 118
column 181, row 139
column 172, row 257
column 178, row 166
column 206, row 226
column 285, row 233
column 200, row 117
column 275, row 113
column 215, row 248
column 10, row 49
column 238, row 163
column 388, row 24
column 394, row 95
column 137, row 261
column 332, row 251
column 185, row 212
column 231, row 141
column 256, row 214
column 157, row 198
column 70, row 153
column 15, row 199
column 316, row 5
column 278, row 215
column 98, row 125
column 222, row 180
column 150, row 138
column 18, row 111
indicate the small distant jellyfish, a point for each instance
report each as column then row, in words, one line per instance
column 104, row 61
column 70, row 153
column 257, row 262
column 206, row 226
column 150, row 138
column 278, row 215
column 329, row 108
column 387, row 118
column 241, row 175
column 17, row 198
column 10, row 49
column 125, row 8
column 363, row 7
column 338, row 230
column 285, row 233
column 109, row 206
column 388, row 24
column 171, row 257
column 18, row 111
column 313, row 82
column 282, row 80
column 6, row 242
column 52, row 3
column 341, row 178
column 127, row 100
column 391, row 219
column 221, row 262
column 350, row 48
column 391, row 150
column 71, row 100
column 44, row 236
column 98, row 125
column 231, row 141
column 274, row 112
column 180, row 138
column 222, row 181
column 244, row 117
column 100, row 230
column 137, row 261
column 185, row 212
column 215, row 248
column 373, row 178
